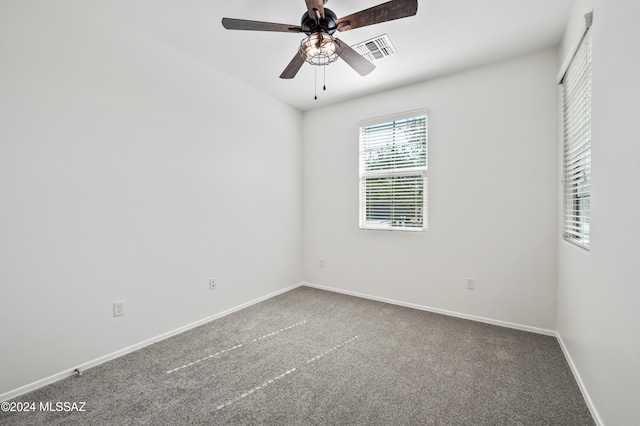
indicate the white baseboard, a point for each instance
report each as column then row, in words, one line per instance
column 436, row 310
column 576, row 375
column 64, row 374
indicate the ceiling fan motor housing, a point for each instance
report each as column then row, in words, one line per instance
column 311, row 25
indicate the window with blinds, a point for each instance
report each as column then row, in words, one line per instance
column 576, row 158
column 393, row 173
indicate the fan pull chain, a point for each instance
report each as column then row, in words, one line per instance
column 315, row 83
column 324, row 78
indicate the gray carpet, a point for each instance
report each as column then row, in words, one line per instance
column 311, row 357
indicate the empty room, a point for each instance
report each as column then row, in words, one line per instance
column 401, row 213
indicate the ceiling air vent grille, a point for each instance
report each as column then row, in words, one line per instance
column 376, row 48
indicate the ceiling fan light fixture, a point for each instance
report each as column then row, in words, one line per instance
column 319, row 48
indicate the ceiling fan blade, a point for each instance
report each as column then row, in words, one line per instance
column 294, row 66
column 315, row 8
column 244, row 24
column 389, row 11
column 354, row 59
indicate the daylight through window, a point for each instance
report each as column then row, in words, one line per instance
column 393, row 173
column 576, row 159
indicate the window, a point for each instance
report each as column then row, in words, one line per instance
column 393, row 173
column 576, row 157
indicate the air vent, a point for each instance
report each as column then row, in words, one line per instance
column 376, row 48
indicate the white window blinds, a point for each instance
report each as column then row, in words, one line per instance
column 393, row 173
column 576, row 159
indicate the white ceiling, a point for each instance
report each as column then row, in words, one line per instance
column 445, row 36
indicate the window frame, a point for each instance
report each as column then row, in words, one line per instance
column 418, row 173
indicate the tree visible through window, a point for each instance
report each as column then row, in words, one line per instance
column 393, row 173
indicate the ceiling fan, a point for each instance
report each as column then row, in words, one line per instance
column 319, row 24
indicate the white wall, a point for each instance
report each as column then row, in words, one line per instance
column 129, row 171
column 492, row 196
column 599, row 290
column 116, row 153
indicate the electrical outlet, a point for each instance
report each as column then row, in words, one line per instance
column 322, row 263
column 212, row 283
column 118, row 308
column 471, row 283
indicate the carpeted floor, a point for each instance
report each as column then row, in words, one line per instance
column 311, row 357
